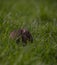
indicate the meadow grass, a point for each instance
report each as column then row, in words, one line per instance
column 40, row 18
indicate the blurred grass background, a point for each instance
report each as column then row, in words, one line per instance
column 40, row 18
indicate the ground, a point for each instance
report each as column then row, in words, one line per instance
column 40, row 18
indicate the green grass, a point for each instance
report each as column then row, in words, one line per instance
column 40, row 18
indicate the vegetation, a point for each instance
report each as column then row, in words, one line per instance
column 40, row 18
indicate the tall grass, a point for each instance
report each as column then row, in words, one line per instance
column 40, row 18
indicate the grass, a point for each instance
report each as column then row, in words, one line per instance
column 40, row 18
